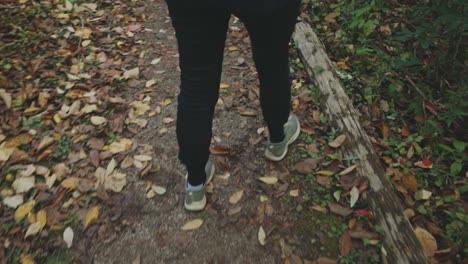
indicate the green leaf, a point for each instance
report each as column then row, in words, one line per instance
column 459, row 145
column 456, row 167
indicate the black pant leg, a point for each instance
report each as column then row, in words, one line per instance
column 270, row 35
column 201, row 33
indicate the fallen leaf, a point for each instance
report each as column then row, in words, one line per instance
column 98, row 120
column 224, row 86
column 150, row 83
column 316, row 116
column 409, row 182
column 339, row 210
column 338, row 141
column 345, row 244
column 294, row 193
column 220, row 150
column 236, row 197
column 6, row 97
column 323, row 180
column 122, row 145
column 158, row 189
column 385, row 130
column 325, row 172
column 41, row 218
column 427, row 241
column 13, row 201
column 261, row 236
column 168, row 120
column 68, row 236
column 91, row 216
column 425, row 164
column 192, row 225
column 70, row 183
column 133, row 73
column 26, row 259
column 156, row 61
column 33, row 229
column 23, row 184
column 24, row 209
column 354, row 196
column 422, row 195
column 306, row 166
column 348, row 170
column 268, row 180
column 166, row 102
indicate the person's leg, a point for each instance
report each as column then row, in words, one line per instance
column 270, row 35
column 201, row 34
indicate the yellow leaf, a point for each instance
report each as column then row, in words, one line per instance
column 427, row 241
column 70, row 183
column 91, row 216
column 27, row 259
column 119, row 146
column 85, row 43
column 192, row 225
column 32, row 218
column 41, row 218
column 224, row 86
column 236, row 197
column 31, row 109
column 24, row 209
column 232, row 48
column 295, row 104
column 325, row 172
column 165, row 102
column 57, row 118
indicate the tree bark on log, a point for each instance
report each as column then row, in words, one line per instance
column 400, row 241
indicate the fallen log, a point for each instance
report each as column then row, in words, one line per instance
column 400, row 241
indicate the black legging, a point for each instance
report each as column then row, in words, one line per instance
column 201, row 34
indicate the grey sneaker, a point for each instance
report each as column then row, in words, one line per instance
column 196, row 200
column 277, row 151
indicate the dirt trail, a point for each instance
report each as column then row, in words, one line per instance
column 153, row 230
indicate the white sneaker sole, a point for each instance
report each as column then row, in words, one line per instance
column 198, row 206
column 272, row 157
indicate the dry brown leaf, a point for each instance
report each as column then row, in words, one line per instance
column 220, row 150
column 192, row 225
column 6, row 97
column 409, row 182
column 338, row 209
column 338, row 141
column 385, row 130
column 345, row 244
column 427, row 241
column 306, row 166
column 236, row 197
